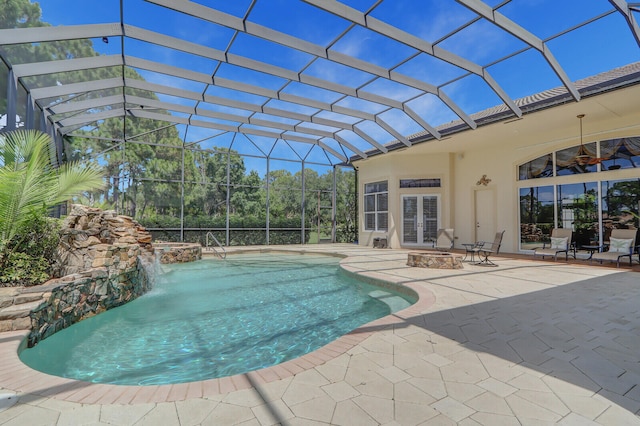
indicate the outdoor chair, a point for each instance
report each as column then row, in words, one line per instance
column 444, row 240
column 622, row 243
column 487, row 250
column 561, row 242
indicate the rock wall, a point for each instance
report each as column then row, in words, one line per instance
column 75, row 297
column 86, row 233
column 104, row 262
column 178, row 252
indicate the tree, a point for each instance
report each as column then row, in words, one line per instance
column 249, row 198
column 285, row 194
column 346, row 206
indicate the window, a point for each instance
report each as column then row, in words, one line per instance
column 376, row 206
column 620, row 153
column 592, row 205
column 420, row 183
column 578, row 210
column 603, row 156
column 620, row 205
column 536, row 216
column 567, row 164
column 538, row 168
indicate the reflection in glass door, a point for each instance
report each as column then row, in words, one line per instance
column 420, row 219
column 578, row 210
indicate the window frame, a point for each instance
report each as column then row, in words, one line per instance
column 379, row 192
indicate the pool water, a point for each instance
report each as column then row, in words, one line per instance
column 215, row 318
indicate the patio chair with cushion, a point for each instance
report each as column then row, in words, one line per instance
column 561, row 242
column 444, row 240
column 622, row 243
column 487, row 250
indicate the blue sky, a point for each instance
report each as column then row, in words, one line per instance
column 598, row 47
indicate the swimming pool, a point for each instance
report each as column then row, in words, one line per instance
column 214, row 318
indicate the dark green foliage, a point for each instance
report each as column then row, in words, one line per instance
column 346, row 233
column 29, row 257
column 21, row 269
column 243, row 230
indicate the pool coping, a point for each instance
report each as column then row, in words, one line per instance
column 18, row 377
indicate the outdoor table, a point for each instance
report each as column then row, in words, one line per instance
column 591, row 249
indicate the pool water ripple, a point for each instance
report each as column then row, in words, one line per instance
column 215, row 318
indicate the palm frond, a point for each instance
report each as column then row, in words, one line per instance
column 75, row 178
column 29, row 183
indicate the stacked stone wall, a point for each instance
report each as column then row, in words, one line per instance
column 102, row 265
column 85, row 233
column 178, row 252
column 75, row 297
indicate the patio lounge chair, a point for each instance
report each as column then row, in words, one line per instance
column 444, row 240
column 487, row 250
column 560, row 243
column 622, row 243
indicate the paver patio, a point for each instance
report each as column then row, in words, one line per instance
column 528, row 342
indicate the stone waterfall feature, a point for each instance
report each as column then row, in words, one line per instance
column 102, row 265
column 88, row 233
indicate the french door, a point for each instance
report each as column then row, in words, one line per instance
column 420, row 219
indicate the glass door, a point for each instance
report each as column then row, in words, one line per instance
column 409, row 219
column 420, row 219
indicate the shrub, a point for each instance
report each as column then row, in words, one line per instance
column 346, row 233
column 246, row 230
column 21, row 269
column 30, row 255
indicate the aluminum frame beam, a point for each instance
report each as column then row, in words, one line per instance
column 382, row 28
column 64, row 33
column 310, row 127
column 625, row 9
column 230, row 21
column 73, row 65
column 488, row 13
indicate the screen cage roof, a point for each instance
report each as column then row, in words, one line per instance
column 349, row 79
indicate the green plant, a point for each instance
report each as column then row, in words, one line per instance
column 346, row 233
column 30, row 256
column 29, row 186
column 21, row 269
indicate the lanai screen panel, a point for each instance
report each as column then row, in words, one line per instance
column 142, row 86
column 350, row 77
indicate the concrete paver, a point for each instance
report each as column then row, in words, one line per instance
column 528, row 342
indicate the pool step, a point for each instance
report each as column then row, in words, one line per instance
column 395, row 302
column 18, row 311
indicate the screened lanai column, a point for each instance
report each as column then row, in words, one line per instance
column 267, row 187
column 228, row 197
column 182, row 195
column 302, row 207
column 12, row 101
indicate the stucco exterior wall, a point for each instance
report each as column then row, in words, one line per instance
column 405, row 166
column 496, row 150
